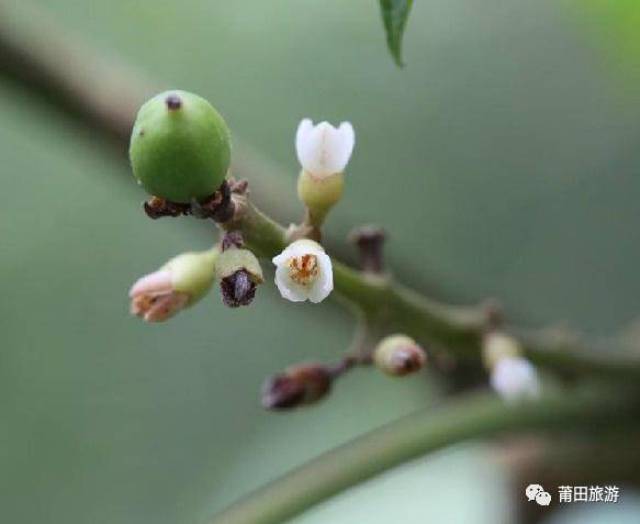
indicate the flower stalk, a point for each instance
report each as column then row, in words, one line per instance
column 460, row 329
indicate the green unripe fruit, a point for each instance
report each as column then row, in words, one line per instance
column 180, row 148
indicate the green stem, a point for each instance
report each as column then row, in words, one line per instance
column 422, row 432
column 457, row 329
column 42, row 57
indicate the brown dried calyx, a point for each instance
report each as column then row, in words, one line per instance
column 219, row 207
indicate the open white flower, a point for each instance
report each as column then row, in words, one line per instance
column 322, row 149
column 304, row 271
column 515, row 378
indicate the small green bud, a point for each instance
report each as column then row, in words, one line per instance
column 180, row 147
column 399, row 355
column 496, row 346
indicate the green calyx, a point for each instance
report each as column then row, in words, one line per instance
column 496, row 346
column 235, row 259
column 319, row 194
column 180, row 147
column 193, row 273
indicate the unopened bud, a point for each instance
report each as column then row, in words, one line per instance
column 239, row 272
column 324, row 152
column 515, row 379
column 298, row 385
column 496, row 346
column 178, row 284
column 399, row 355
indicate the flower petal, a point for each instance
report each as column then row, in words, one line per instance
column 154, row 283
column 324, row 150
column 303, row 141
column 346, row 143
column 515, row 378
column 322, row 288
column 287, row 287
column 166, row 306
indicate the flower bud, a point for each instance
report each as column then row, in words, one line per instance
column 180, row 147
column 239, row 272
column 496, row 346
column 324, row 152
column 297, row 386
column 178, row 284
column 399, row 355
column 304, row 272
column 514, row 379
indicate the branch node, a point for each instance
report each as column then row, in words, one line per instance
column 369, row 240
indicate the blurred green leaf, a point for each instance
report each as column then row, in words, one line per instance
column 394, row 17
column 613, row 27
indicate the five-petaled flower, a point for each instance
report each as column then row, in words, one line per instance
column 515, row 378
column 323, row 149
column 304, row 271
column 181, row 282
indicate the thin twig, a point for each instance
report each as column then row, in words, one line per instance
column 458, row 329
column 417, row 434
column 105, row 97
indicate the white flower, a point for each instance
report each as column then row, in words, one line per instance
column 324, row 150
column 303, row 271
column 515, row 378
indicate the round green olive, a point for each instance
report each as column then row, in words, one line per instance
column 180, row 148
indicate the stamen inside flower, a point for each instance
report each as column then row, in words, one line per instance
column 303, row 270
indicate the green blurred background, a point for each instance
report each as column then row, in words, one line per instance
column 503, row 161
